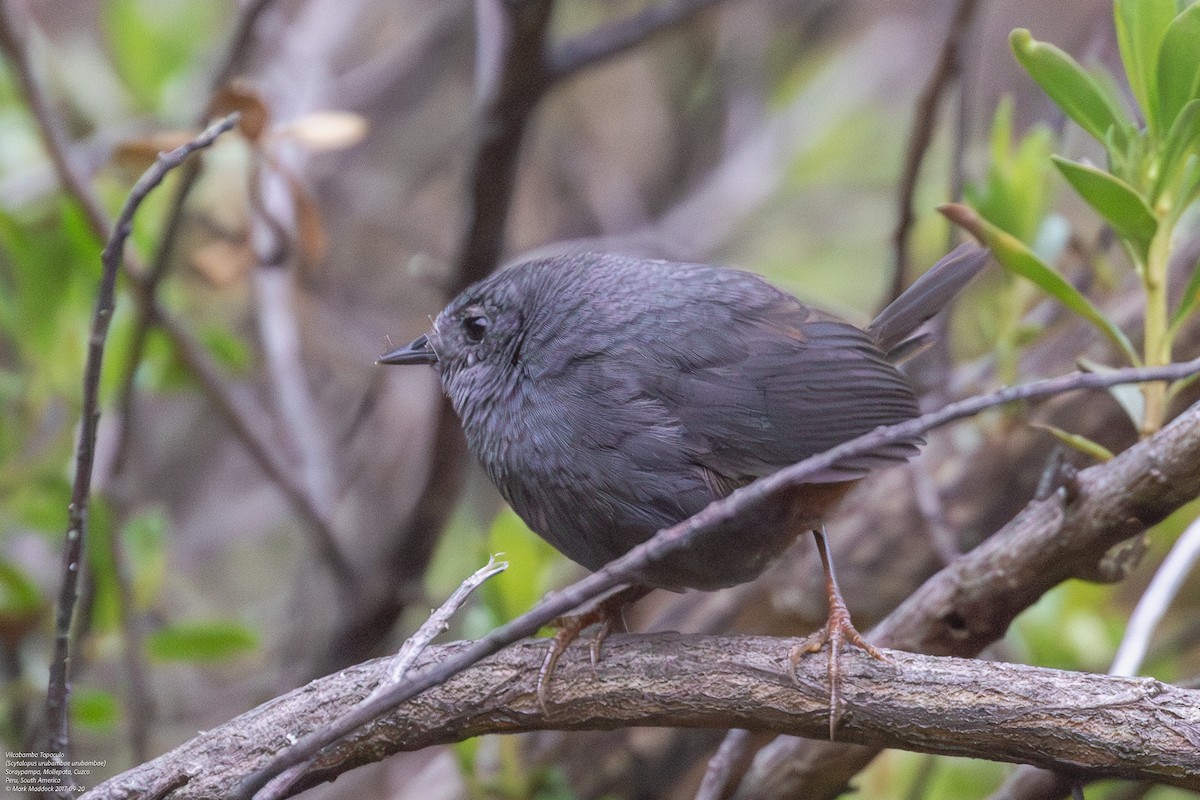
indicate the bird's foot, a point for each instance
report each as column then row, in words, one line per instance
column 607, row 614
column 838, row 630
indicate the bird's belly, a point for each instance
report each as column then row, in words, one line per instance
column 735, row 552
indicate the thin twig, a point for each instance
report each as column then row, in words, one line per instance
column 410, row 651
column 235, row 54
column 574, row 55
column 1161, row 592
column 438, row 622
column 189, row 350
column 945, row 71
column 669, row 540
column 85, row 453
column 722, row 764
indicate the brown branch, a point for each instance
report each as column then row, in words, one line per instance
column 945, row 72
column 1092, row 725
column 574, row 55
column 712, row 521
column 399, row 665
column 190, row 351
column 971, row 603
column 85, row 452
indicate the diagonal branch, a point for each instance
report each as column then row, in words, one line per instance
column 1093, row 725
column 955, row 630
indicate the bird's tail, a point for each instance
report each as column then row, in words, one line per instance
column 898, row 328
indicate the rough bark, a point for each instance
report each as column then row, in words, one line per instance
column 1091, row 725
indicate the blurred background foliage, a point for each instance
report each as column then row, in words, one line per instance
column 765, row 133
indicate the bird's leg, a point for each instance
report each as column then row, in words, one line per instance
column 606, row 614
column 838, row 629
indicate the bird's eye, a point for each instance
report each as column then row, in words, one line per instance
column 474, row 327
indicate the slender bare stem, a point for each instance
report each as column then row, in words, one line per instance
column 85, row 452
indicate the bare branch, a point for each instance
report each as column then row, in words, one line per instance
column 945, row 635
column 188, row 348
column 945, row 72
column 1159, row 595
column 85, row 452
column 574, row 55
column 1092, row 724
column 401, row 663
column 720, row 769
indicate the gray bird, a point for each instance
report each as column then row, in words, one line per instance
column 608, row 397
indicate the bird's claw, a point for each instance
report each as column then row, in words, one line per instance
column 836, row 631
column 569, row 628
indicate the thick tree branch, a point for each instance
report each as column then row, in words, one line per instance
column 955, row 629
column 1092, row 725
column 971, row 603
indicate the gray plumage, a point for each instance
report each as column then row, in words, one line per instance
column 609, row 397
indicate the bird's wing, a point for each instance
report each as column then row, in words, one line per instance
column 769, row 386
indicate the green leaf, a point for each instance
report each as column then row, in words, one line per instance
column 1179, row 64
column 1078, row 442
column 1128, row 395
column 1187, row 303
column 530, row 559
column 106, row 600
column 1141, row 25
column 1182, row 141
column 1189, row 183
column 1016, row 192
column 1116, row 201
column 144, row 537
column 226, row 347
column 94, row 708
column 19, row 594
column 200, row 641
column 1016, row 257
column 1076, row 92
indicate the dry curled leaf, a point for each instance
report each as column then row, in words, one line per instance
column 325, row 130
column 240, row 96
column 222, row 262
column 137, row 154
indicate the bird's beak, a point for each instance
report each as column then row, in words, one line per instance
column 418, row 351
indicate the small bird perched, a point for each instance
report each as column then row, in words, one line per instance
column 608, row 397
